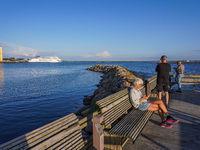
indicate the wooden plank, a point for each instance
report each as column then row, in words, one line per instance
column 114, row 103
column 190, row 83
column 190, row 80
column 22, row 140
column 42, row 138
column 131, row 125
column 132, row 119
column 50, row 133
column 71, row 143
column 110, row 99
column 124, row 104
column 124, row 141
column 47, row 144
column 112, row 142
column 152, row 78
column 66, row 135
column 192, row 75
column 125, row 121
column 189, row 75
column 142, row 125
column 134, row 132
column 109, row 120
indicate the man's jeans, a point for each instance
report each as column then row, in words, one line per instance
column 178, row 80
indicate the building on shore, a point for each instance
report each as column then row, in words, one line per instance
column 1, row 54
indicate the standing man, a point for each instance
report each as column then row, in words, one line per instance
column 179, row 74
column 163, row 70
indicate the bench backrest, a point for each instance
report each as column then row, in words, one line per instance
column 64, row 133
column 114, row 106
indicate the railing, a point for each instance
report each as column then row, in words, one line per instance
column 190, row 79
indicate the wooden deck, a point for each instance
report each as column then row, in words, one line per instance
column 185, row 135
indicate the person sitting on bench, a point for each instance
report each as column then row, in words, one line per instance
column 142, row 103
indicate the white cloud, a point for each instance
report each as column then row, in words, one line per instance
column 104, row 54
column 12, row 50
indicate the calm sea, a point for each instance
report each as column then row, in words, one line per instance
column 35, row 94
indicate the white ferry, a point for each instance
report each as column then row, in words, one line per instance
column 45, row 59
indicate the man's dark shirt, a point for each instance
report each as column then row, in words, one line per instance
column 163, row 70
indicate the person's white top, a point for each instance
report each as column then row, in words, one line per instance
column 135, row 96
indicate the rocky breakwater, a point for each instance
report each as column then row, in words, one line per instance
column 115, row 78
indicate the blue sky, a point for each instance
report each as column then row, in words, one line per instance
column 101, row 29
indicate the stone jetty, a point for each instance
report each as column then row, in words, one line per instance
column 115, row 78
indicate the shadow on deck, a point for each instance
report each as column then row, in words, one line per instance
column 184, row 106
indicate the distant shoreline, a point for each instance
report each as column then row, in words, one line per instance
column 191, row 61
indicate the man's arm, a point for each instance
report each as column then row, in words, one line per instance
column 156, row 68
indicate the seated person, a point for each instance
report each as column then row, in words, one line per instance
column 142, row 103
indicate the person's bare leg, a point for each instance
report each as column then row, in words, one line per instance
column 161, row 114
column 155, row 107
column 167, row 98
column 160, row 105
column 159, row 95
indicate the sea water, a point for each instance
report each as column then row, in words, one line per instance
column 35, row 94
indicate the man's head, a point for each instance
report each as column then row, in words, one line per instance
column 179, row 62
column 163, row 58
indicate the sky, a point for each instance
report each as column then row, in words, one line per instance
column 95, row 30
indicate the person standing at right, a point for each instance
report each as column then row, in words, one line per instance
column 163, row 70
column 179, row 74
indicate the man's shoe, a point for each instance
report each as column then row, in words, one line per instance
column 172, row 120
column 166, row 125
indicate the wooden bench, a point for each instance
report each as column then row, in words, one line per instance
column 131, row 125
column 64, row 133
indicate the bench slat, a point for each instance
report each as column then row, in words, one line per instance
column 36, row 132
column 114, row 103
column 132, row 124
column 123, row 105
column 143, row 122
column 47, row 136
column 136, row 115
column 110, row 99
column 72, row 143
column 117, row 112
column 56, row 138
column 65, row 139
column 71, row 134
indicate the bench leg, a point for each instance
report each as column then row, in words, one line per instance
column 98, row 135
